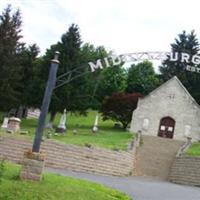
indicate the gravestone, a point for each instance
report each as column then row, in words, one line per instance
column 33, row 113
column 12, row 112
column 62, row 127
column 20, row 112
column 95, row 127
column 5, row 123
column 14, row 124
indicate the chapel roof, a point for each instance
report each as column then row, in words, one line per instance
column 180, row 84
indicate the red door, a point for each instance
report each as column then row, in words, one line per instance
column 166, row 128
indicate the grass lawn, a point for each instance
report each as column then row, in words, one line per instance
column 194, row 150
column 107, row 136
column 53, row 187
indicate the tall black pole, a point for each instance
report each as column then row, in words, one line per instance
column 46, row 101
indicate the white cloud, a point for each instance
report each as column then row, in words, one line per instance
column 121, row 25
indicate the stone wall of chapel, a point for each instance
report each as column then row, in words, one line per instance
column 170, row 100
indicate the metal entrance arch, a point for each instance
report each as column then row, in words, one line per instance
column 125, row 58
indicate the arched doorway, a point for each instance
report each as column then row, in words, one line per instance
column 166, row 127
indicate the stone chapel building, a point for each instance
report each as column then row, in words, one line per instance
column 169, row 111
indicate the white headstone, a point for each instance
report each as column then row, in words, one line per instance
column 33, row 113
column 62, row 121
column 95, row 127
column 5, row 123
column 96, row 120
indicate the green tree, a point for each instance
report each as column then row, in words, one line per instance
column 35, row 88
column 102, row 82
column 76, row 95
column 93, row 79
column 69, row 48
column 71, row 95
column 27, row 58
column 183, row 43
column 10, row 66
column 112, row 79
column 141, row 78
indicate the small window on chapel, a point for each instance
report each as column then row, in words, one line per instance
column 171, row 96
column 170, row 128
column 162, row 128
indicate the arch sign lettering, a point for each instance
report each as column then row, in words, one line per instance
column 192, row 61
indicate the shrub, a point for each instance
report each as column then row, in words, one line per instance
column 119, row 107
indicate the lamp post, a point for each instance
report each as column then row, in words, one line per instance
column 46, row 101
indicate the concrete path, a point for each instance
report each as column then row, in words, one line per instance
column 140, row 188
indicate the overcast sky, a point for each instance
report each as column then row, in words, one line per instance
column 124, row 26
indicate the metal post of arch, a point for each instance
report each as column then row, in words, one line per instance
column 46, row 101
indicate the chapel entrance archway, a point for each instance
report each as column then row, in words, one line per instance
column 166, row 127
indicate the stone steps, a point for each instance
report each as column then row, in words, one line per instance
column 186, row 170
column 156, row 155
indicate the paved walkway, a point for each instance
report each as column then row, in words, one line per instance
column 140, row 188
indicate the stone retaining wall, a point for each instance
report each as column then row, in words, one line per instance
column 63, row 156
column 186, row 170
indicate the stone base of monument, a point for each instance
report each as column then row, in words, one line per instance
column 14, row 124
column 32, row 166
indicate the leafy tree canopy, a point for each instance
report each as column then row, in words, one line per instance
column 119, row 107
column 141, row 78
column 77, row 95
column 185, row 42
column 10, row 50
column 112, row 79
